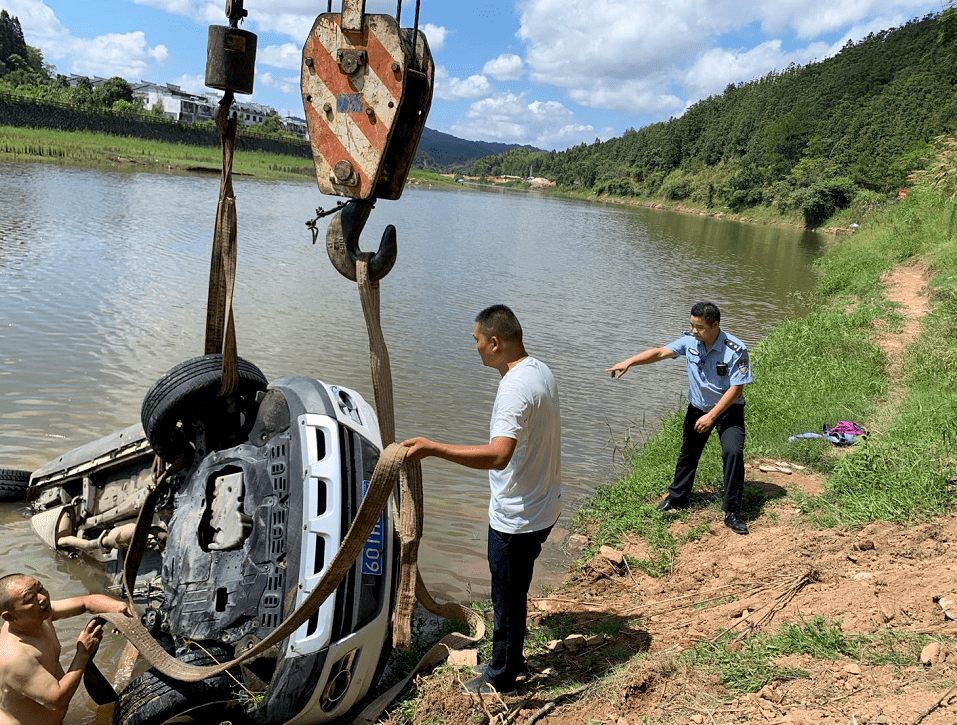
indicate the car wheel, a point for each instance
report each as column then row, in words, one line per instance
column 188, row 393
column 13, row 484
column 154, row 698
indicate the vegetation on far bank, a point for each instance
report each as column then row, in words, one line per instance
column 827, row 367
column 808, row 140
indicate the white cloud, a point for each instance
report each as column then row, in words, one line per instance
column 435, row 35
column 507, row 67
column 448, row 88
column 195, row 84
column 510, row 118
column 287, row 56
column 650, row 58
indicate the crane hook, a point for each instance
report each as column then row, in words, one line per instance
column 342, row 242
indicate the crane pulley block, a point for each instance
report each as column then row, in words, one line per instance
column 366, row 91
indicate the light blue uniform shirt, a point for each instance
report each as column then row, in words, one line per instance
column 706, row 386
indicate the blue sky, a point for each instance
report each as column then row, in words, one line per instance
column 550, row 73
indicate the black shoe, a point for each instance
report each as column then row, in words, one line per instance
column 735, row 524
column 669, row 505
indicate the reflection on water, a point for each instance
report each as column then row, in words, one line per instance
column 103, row 279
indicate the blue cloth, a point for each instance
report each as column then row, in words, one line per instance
column 705, row 385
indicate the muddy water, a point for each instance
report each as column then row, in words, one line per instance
column 103, row 286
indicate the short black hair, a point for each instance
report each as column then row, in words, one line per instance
column 500, row 321
column 6, row 598
column 707, row 310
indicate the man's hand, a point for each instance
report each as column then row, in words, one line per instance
column 621, row 368
column 704, row 423
column 89, row 640
column 419, row 448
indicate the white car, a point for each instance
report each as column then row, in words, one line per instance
column 276, row 476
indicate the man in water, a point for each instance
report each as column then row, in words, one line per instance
column 34, row 689
column 523, row 458
column 718, row 370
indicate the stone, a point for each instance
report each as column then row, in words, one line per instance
column 949, row 606
column 555, row 645
column 577, row 542
column 613, row 555
column 596, row 639
column 574, row 643
column 852, row 669
column 930, row 654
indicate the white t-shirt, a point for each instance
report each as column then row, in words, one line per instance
column 527, row 493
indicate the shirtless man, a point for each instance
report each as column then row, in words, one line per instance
column 34, row 689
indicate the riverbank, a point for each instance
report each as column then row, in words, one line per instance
column 128, row 154
column 839, row 606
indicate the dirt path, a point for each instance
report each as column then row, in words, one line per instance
column 878, row 580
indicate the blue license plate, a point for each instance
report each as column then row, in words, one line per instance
column 372, row 560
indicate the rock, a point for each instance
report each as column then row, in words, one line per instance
column 770, row 693
column 574, row 643
column 930, row 654
column 949, row 606
column 555, row 645
column 887, row 612
column 865, row 545
column 852, row 669
column 463, row 658
column 577, row 542
column 596, row 639
column 613, row 555
column 861, row 576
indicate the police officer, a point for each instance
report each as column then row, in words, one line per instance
column 718, row 370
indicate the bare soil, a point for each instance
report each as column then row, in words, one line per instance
column 880, row 579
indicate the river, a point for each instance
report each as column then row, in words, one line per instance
column 103, row 279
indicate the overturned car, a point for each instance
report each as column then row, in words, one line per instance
column 270, row 480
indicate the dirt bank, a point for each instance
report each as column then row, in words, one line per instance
column 877, row 580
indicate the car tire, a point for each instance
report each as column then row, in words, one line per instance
column 154, row 698
column 186, row 393
column 13, row 484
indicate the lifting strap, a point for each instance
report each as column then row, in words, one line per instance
column 222, row 263
column 391, row 465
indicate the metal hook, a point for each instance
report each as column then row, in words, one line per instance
column 342, row 242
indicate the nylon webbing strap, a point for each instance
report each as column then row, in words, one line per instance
column 222, row 263
column 380, row 488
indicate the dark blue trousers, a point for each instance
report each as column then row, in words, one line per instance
column 511, row 559
column 730, row 427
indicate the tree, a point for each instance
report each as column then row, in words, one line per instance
column 109, row 92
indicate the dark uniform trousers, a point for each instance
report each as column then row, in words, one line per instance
column 730, row 427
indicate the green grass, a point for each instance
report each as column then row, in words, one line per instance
column 751, row 667
column 827, row 367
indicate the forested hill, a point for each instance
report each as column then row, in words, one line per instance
column 813, row 138
column 442, row 151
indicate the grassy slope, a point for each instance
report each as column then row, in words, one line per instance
column 826, row 367
column 97, row 150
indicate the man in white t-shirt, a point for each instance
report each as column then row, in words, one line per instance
column 523, row 458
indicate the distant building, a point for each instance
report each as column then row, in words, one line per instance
column 253, row 114
column 296, row 126
column 178, row 105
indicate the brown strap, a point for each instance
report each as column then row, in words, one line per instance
column 222, row 264
column 380, row 488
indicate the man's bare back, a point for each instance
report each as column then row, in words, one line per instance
column 34, row 689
